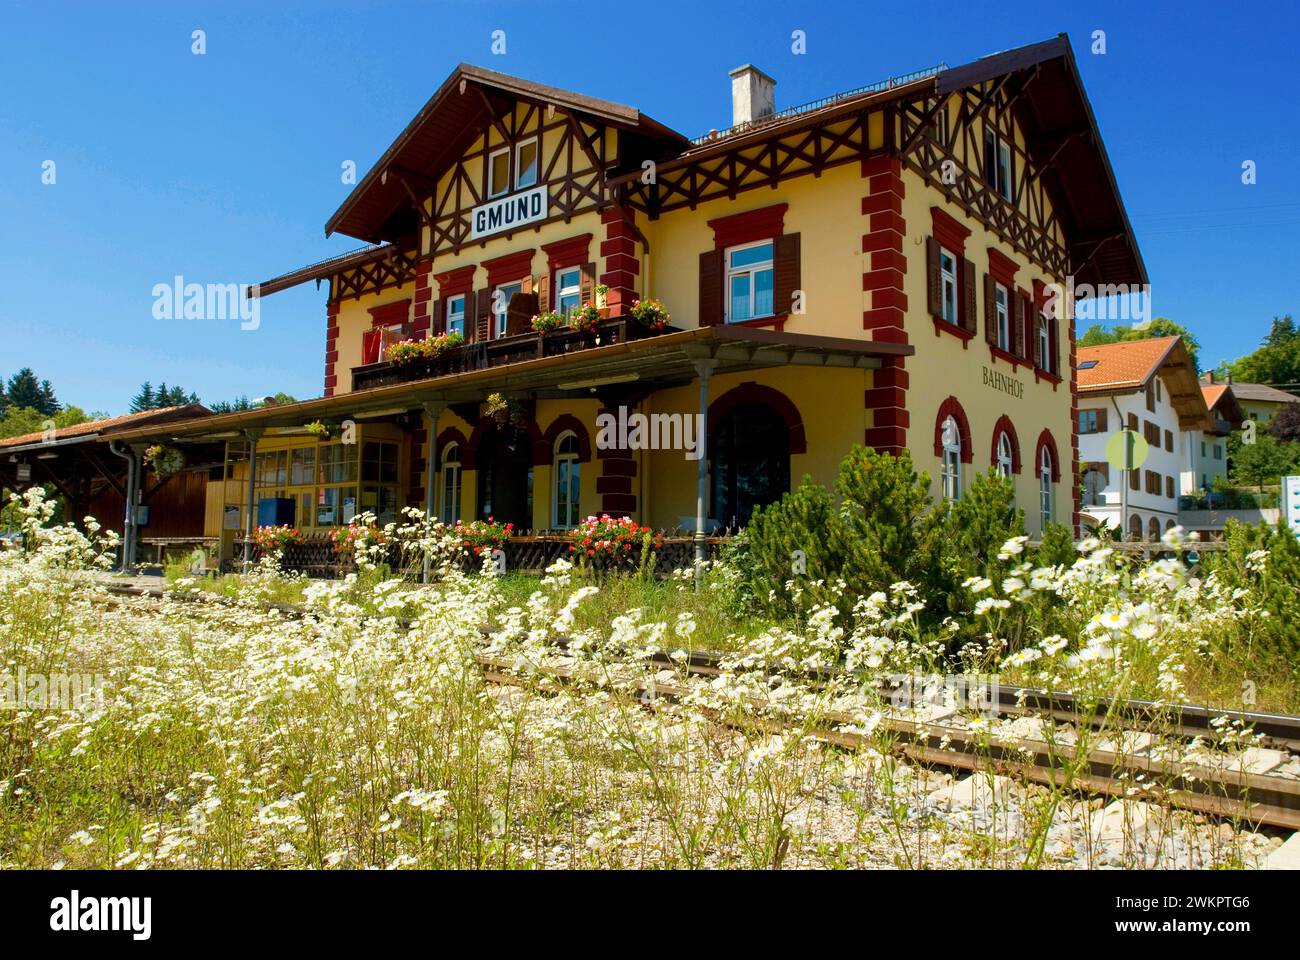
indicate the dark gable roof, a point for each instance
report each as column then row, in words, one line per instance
column 1058, row 122
column 377, row 211
column 1053, row 110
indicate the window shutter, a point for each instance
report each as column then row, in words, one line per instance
column 1169, row 486
column 785, row 272
column 1133, row 422
column 1101, row 420
column 437, row 318
column 1133, row 479
column 586, row 287
column 1017, row 319
column 482, row 320
column 968, row 317
column 520, row 313
column 1032, row 324
column 933, row 292
column 990, row 311
column 711, row 288
column 544, row 293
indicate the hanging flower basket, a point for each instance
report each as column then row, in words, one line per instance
column 164, row 460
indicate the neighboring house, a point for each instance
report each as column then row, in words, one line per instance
column 1206, row 451
column 874, row 267
column 1258, row 401
column 1149, row 386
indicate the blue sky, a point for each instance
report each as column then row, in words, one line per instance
column 224, row 167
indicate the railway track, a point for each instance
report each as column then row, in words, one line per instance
column 1257, row 786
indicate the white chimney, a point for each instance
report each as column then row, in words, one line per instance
column 752, row 95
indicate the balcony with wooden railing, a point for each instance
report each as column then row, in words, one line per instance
column 499, row 352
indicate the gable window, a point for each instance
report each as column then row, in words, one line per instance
column 456, row 314
column 1003, row 315
column 499, row 172
column 1005, row 460
column 948, row 286
column 749, row 282
column 501, row 305
column 450, row 512
column 951, row 460
column 526, row 163
column 997, row 163
column 566, row 479
column 1045, row 487
column 568, row 290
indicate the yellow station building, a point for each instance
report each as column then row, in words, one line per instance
column 875, row 267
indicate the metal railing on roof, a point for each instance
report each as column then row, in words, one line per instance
column 888, row 83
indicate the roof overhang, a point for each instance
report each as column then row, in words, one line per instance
column 656, row 362
column 379, row 208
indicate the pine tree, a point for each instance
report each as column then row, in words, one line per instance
column 144, row 400
column 24, row 390
column 49, row 404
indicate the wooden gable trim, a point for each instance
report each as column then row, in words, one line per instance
column 750, row 226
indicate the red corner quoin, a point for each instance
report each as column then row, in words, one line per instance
column 882, row 284
column 622, row 266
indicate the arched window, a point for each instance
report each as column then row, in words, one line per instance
column 1153, row 529
column 1045, row 486
column 1135, row 527
column 749, row 452
column 450, row 511
column 565, row 481
column 1006, row 460
column 951, row 459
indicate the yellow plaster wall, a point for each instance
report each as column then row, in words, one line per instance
column 943, row 366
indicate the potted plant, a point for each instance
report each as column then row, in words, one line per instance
column 602, row 300
column 318, row 429
column 430, row 348
column 651, row 315
column 585, row 318
column 548, row 322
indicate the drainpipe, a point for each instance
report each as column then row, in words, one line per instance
column 250, row 505
column 702, row 369
column 434, row 409
column 1123, row 475
column 132, row 494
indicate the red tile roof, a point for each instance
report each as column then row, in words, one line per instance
column 91, row 427
column 1114, row 366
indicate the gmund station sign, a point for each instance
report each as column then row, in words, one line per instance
column 506, row 213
